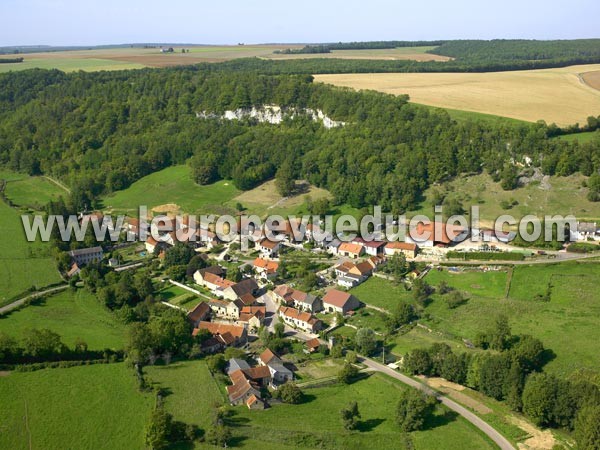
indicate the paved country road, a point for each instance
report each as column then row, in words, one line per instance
column 500, row 440
column 19, row 302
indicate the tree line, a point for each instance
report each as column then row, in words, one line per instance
column 511, row 371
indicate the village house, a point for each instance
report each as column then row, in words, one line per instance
column 339, row 301
column 252, row 316
column 333, row 246
column 376, row 261
column 213, row 283
column 199, row 314
column 225, row 309
column 287, row 296
column 436, row 234
column 313, row 345
column 408, row 249
column 235, row 364
column 350, row 250
column 242, row 391
column 84, row 256
column 215, row 270
column 304, row 321
column 279, row 373
column 350, row 275
column 372, row 248
column 490, row 235
column 265, row 269
column 226, row 333
column 241, row 289
column 268, row 248
column 585, row 231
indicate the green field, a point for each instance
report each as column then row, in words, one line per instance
column 172, row 186
column 73, row 315
column 178, row 296
column 22, row 264
column 30, row 192
column 70, row 65
column 471, row 116
column 192, row 390
column 382, row 293
column 566, row 324
column 87, row 407
column 580, row 137
column 316, row 422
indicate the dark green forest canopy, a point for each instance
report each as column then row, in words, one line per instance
column 99, row 132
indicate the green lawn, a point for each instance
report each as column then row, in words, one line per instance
column 30, row 192
column 483, row 284
column 192, row 390
column 87, row 407
column 71, row 314
column 70, row 65
column 178, row 296
column 316, row 423
column 22, row 264
column 172, row 185
column 381, row 292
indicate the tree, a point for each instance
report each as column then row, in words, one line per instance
column 413, row 409
column 219, row 435
column 42, row 343
column 350, row 416
column 366, row 341
column 418, row 362
column 216, row 363
column 290, row 393
column 587, row 428
column 454, row 299
column 347, row 374
column 158, row 428
column 279, row 329
column 284, row 178
column 421, row 291
column 139, row 345
column 499, row 337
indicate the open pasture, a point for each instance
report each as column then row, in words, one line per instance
column 554, row 95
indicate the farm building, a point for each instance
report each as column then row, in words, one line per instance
column 339, row 301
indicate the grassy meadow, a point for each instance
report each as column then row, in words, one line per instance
column 566, row 324
column 22, row 264
column 582, row 138
column 553, row 95
column 96, row 406
column 314, row 423
column 73, row 315
column 69, row 65
column 30, row 192
column 550, row 195
column 172, row 190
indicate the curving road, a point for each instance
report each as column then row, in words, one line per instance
column 500, row 440
column 19, row 302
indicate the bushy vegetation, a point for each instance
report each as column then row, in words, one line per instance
column 486, row 256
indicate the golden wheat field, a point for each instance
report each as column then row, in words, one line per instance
column 555, row 95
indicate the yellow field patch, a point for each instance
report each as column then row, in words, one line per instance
column 554, row 95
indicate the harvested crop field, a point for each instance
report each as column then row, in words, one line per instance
column 592, row 79
column 137, row 57
column 390, row 54
column 553, row 95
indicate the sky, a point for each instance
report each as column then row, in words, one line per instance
column 96, row 22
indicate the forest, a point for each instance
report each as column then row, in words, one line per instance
column 99, row 132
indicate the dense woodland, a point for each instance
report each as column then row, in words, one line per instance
column 99, row 132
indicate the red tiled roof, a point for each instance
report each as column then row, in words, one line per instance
column 293, row 313
column 267, row 356
column 350, row 248
column 266, row 243
column 257, row 373
column 199, row 312
column 437, row 232
column 222, row 328
column 336, row 298
column 396, row 245
column 270, row 266
column 313, row 343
